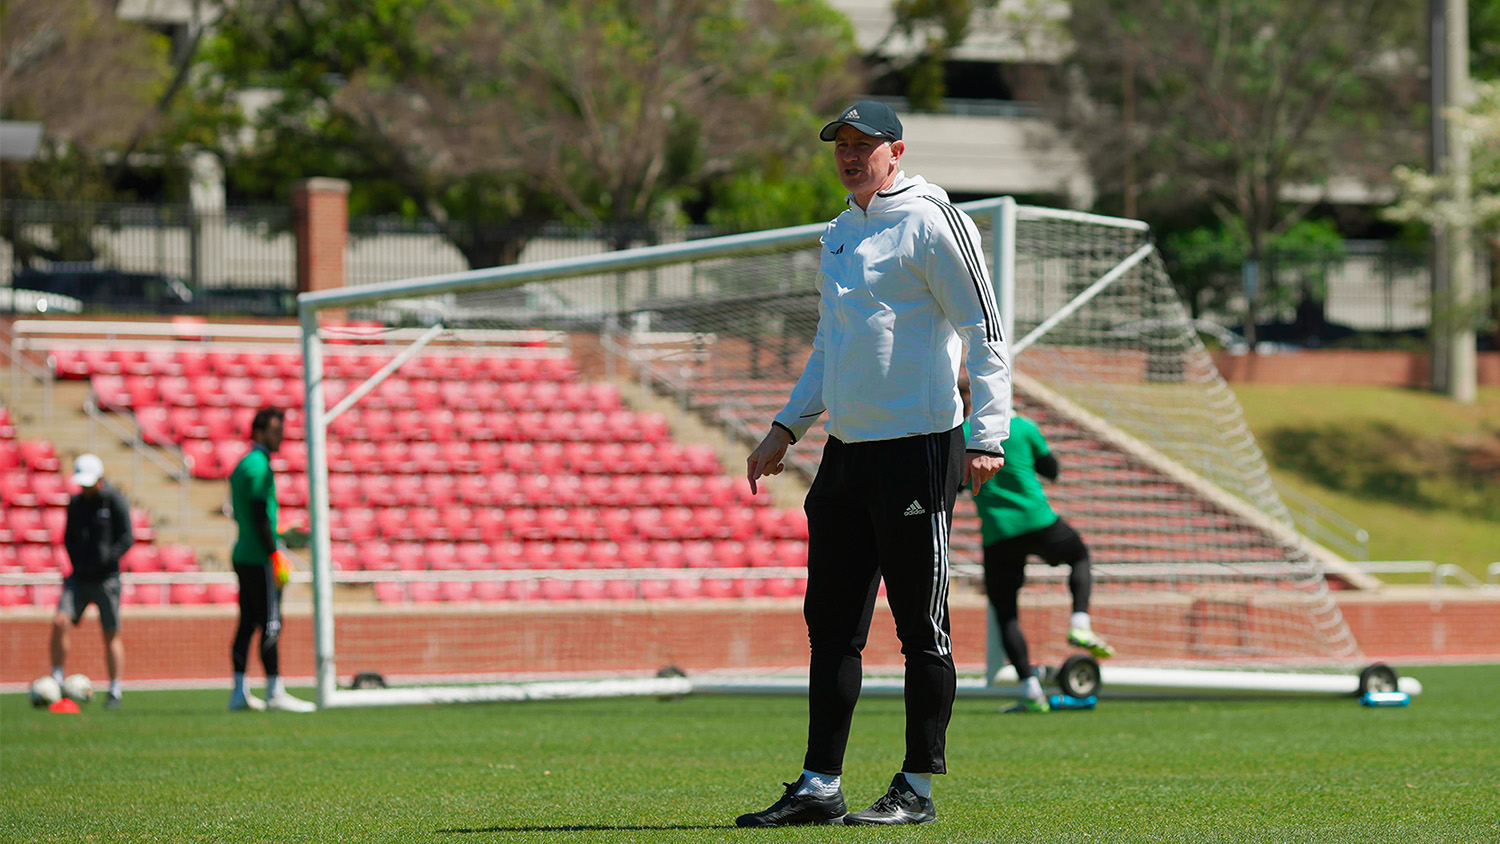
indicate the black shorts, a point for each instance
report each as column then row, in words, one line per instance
column 105, row 594
column 1057, row 544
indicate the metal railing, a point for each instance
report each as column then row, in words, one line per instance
column 1438, row 574
column 20, row 363
column 1324, row 526
column 178, row 467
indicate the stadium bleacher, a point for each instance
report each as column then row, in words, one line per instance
column 462, row 462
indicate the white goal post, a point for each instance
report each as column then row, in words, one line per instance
column 1197, row 562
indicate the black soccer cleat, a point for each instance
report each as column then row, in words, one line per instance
column 795, row 809
column 899, row 805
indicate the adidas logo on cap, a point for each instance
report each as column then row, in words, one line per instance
column 914, row 510
column 851, row 114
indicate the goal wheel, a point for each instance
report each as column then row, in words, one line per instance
column 668, row 672
column 1378, row 677
column 1079, row 676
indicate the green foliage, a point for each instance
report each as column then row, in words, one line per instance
column 1381, row 461
column 1235, row 102
column 175, row 766
column 936, row 27
column 1206, row 262
column 497, row 117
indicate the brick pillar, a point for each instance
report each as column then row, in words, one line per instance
column 320, row 208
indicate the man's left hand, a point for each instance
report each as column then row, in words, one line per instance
column 979, row 468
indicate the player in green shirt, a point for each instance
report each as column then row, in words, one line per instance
column 260, row 566
column 1016, row 522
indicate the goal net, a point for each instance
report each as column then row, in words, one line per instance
column 527, row 482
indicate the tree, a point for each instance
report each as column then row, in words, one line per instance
column 1235, row 100
column 502, row 116
column 1428, row 197
column 99, row 87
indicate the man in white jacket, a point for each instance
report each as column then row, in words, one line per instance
column 905, row 300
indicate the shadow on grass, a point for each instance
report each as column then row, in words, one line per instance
column 583, row 827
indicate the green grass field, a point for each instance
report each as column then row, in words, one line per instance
column 174, row 766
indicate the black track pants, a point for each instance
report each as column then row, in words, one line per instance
column 260, row 607
column 1005, row 574
column 877, row 510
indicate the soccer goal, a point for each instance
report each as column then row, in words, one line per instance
column 526, row 481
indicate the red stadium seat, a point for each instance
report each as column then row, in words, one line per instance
column 459, row 524
column 39, row 456
column 378, row 556
column 537, row 554
column 779, row 587
column 655, row 590
column 425, row 592
column 177, row 558
column 507, row 554
column 355, row 524
column 393, row 525
column 426, row 523
column 715, row 587
column 443, row 556
column 590, row 590
column 37, row 559
column 667, row 555
column 409, row 556
column 187, row 593
column 730, row 553
column 459, row 456
column 390, row 593
column 10, row 455
column 489, row 590
column 570, row 554
column 620, row 590
column 699, row 554
column 69, row 363
column 456, row 591
column 761, row 552
column 152, row 423
column 473, row 555
column 636, row 554
column 603, row 554
column 524, row 590
column 429, row 456
column 229, row 453
column 223, row 593
column 559, row 590
column 55, row 521
column 14, row 596
column 17, row 490
column 100, row 362
column 141, row 558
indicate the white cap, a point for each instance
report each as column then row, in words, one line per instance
column 87, row 470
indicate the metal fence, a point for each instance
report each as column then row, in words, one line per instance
column 244, row 260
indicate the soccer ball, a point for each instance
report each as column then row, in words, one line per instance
column 78, row 688
column 44, row 692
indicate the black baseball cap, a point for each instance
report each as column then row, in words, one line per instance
column 874, row 119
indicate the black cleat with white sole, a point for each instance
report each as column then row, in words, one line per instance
column 899, row 805
column 795, row 809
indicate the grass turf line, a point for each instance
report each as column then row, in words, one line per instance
column 176, row 766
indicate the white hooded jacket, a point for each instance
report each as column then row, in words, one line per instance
column 905, row 298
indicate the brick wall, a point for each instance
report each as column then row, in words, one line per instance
column 1336, row 366
column 193, row 644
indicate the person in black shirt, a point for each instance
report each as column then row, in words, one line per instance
column 97, row 535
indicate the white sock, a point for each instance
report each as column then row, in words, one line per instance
column 1080, row 621
column 920, row 783
column 823, row 785
column 1031, row 688
column 273, row 686
column 57, row 673
column 115, row 687
column 239, row 683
